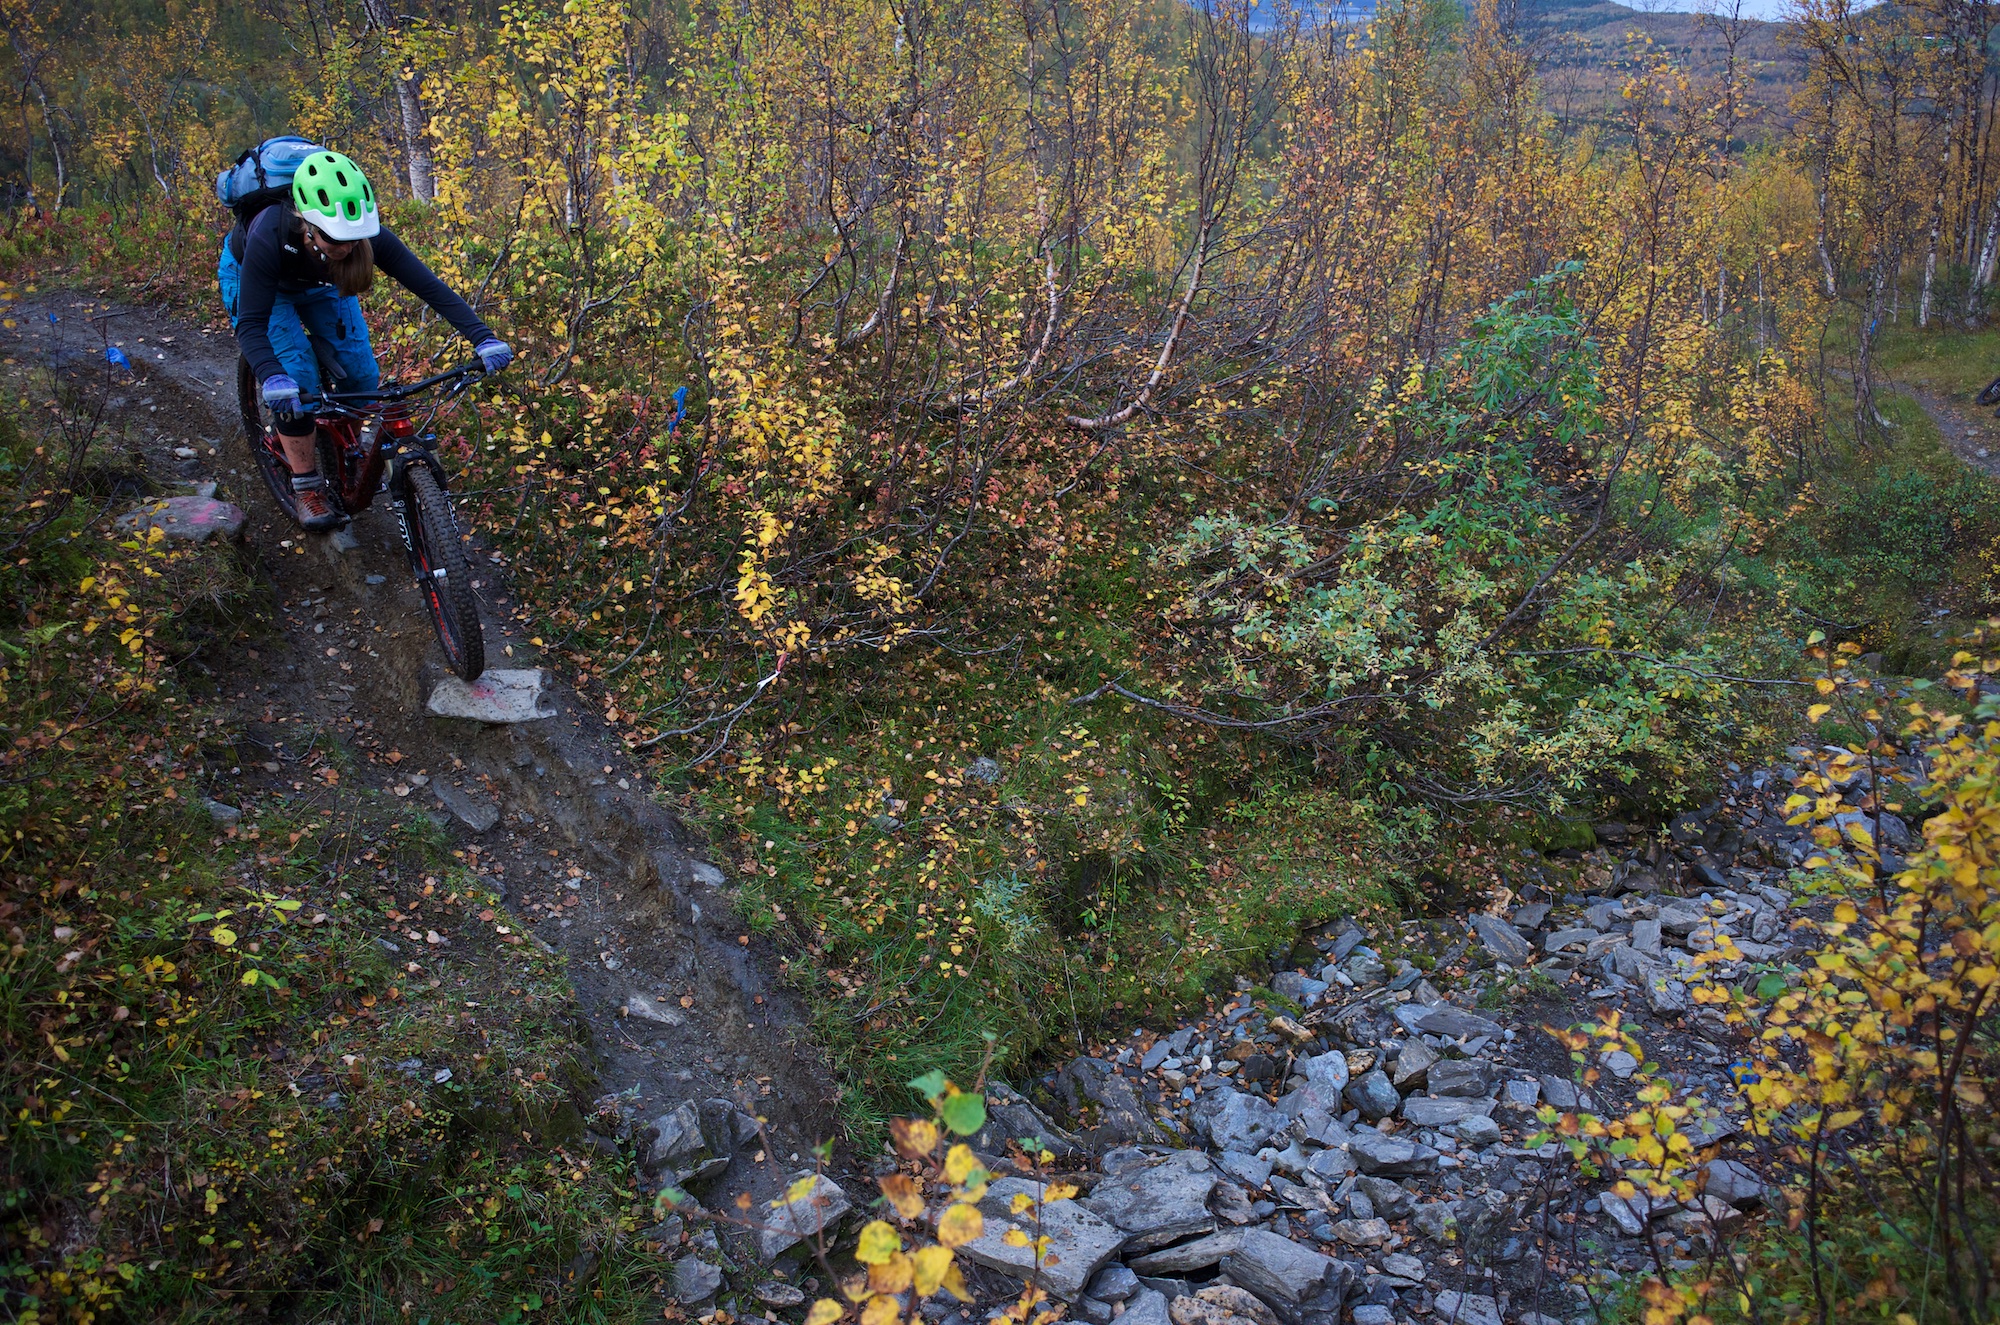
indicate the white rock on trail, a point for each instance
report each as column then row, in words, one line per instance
column 501, row 695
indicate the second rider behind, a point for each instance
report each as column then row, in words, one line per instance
column 299, row 268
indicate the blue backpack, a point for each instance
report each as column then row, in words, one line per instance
column 262, row 176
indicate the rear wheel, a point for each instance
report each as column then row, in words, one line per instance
column 1991, row 395
column 437, row 556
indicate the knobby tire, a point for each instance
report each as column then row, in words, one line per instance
column 435, row 545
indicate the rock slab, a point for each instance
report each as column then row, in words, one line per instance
column 1080, row 1242
column 187, row 519
column 788, row 1223
column 500, row 695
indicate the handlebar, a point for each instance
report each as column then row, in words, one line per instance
column 472, row 368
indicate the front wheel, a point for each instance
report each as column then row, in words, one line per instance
column 437, row 557
column 1991, row 395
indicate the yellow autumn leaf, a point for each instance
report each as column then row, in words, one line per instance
column 914, row 1137
column 1844, row 1118
column 879, row 1241
column 1014, row 1237
column 960, row 1163
column 904, row 1193
column 824, row 1312
column 881, row 1310
column 1058, row 1191
column 223, row 935
column 1818, row 711
column 960, row 1225
column 893, row 1275
column 931, row 1264
column 1020, row 1203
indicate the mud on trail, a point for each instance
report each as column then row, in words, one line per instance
column 680, row 1004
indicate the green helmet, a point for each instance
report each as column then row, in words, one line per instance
column 331, row 192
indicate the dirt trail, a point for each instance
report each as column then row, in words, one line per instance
column 1969, row 432
column 587, row 861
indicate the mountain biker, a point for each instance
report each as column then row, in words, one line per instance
column 299, row 267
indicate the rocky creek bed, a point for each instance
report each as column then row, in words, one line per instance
column 1363, row 1137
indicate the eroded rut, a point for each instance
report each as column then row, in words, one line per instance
column 681, row 1005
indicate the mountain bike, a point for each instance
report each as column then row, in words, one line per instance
column 372, row 442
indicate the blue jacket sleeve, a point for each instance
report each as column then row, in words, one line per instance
column 393, row 256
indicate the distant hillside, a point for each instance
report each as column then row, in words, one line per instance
column 1588, row 45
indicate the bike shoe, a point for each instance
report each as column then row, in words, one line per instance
column 315, row 512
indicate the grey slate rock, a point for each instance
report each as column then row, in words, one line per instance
column 1116, row 1115
column 1373, row 1094
column 1011, row 1116
column 1646, row 937
column 1456, row 1308
column 1390, row 1199
column 1461, row 1078
column 1567, row 938
column 1413, row 1066
column 1456, row 1023
column 1435, row 1219
column 1280, row 1271
column 695, row 1280
column 1370, row 1314
column 1430, row 1111
column 1559, row 1091
column 1328, row 1070
column 1146, row 1307
column 1235, row 1121
column 1158, row 1054
column 1733, row 1183
column 1331, row 1164
column 1503, row 940
column 1162, row 1202
column 1091, row 1310
column 1187, row 1257
column 787, row 1223
column 187, row 519
column 1531, row 916
column 1390, row 1156
column 677, row 1139
column 1245, row 1168
column 1080, row 1241
column 1477, row 1130
column 475, row 812
column 1114, row 1283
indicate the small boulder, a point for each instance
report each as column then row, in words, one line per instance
column 1373, row 1094
column 790, row 1222
column 1503, row 940
column 500, row 695
column 1452, row 1307
column 1734, row 1183
column 187, row 519
column 1163, row 1201
column 1279, row 1270
column 1390, row 1199
column 695, row 1280
column 1235, row 1121
column 677, row 1139
column 1391, row 1156
column 1461, row 1079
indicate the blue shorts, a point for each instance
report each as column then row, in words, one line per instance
column 334, row 319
